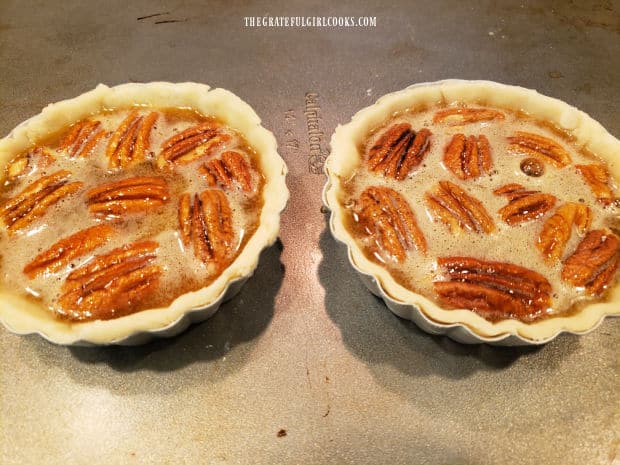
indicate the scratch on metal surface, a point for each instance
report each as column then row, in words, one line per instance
column 153, row 15
column 166, row 21
column 308, row 375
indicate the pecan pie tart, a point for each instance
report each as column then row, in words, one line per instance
column 483, row 211
column 133, row 210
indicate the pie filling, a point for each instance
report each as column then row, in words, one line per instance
column 485, row 209
column 126, row 210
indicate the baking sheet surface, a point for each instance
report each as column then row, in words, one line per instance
column 305, row 365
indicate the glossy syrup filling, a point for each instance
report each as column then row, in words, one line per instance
column 136, row 224
column 516, row 243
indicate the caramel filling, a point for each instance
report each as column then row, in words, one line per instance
column 514, row 199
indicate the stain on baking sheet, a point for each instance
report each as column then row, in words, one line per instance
column 601, row 20
column 586, row 88
column 578, row 15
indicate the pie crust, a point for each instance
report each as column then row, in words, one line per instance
column 462, row 324
column 24, row 316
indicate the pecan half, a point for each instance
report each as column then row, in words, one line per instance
column 16, row 168
column 399, row 150
column 594, row 262
column 231, row 167
column 131, row 140
column 62, row 252
column 468, row 157
column 513, row 191
column 597, row 177
column 451, row 205
column 82, row 139
column 388, row 219
column 207, row 225
column 111, row 284
column 32, row 203
column 537, row 146
column 185, row 218
column 182, row 147
column 556, row 231
column 132, row 195
column 455, row 116
column 496, row 290
column 523, row 205
column 37, row 158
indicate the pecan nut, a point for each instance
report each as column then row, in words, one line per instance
column 230, row 168
column 597, row 177
column 523, row 205
column 111, row 284
column 32, row 203
column 468, row 157
column 62, row 252
column 26, row 164
column 185, row 218
column 537, row 146
column 131, row 140
column 399, row 150
column 456, row 116
column 182, row 147
column 594, row 262
column 82, row 139
column 387, row 218
column 17, row 168
column 207, row 226
column 556, row 231
column 532, row 167
column 495, row 290
column 132, row 195
column 451, row 205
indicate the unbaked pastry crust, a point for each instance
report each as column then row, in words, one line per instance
column 24, row 316
column 345, row 158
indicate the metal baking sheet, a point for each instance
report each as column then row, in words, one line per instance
column 305, row 365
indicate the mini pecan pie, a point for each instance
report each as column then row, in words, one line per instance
column 131, row 210
column 480, row 210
